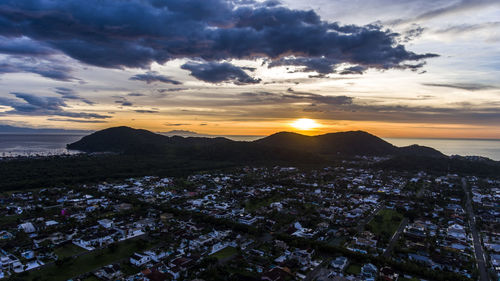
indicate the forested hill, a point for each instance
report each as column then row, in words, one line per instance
column 352, row 143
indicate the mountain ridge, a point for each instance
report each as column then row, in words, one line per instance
column 351, row 143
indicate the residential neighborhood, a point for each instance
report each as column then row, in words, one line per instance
column 254, row 223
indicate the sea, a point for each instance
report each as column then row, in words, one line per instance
column 12, row 145
column 464, row 147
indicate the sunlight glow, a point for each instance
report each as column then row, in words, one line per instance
column 304, row 124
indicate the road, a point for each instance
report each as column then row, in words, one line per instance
column 478, row 249
column 395, row 237
column 363, row 222
column 402, row 225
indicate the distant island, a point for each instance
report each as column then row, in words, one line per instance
column 8, row 129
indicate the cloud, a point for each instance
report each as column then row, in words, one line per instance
column 448, row 9
column 146, row 111
column 457, row 7
column 172, row 90
column 331, row 100
column 29, row 104
column 213, row 72
column 490, row 31
column 70, row 94
column 353, row 70
column 320, row 65
column 463, row 86
column 153, row 76
column 101, row 33
column 124, row 102
column 75, row 120
column 135, row 95
column 290, row 97
column 23, row 46
column 175, row 124
column 45, row 67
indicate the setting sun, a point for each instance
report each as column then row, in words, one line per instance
column 305, row 124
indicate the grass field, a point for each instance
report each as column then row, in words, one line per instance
column 225, row 253
column 354, row 269
column 253, row 205
column 68, row 250
column 86, row 263
column 385, row 223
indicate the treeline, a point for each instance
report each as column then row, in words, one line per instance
column 21, row 174
column 454, row 165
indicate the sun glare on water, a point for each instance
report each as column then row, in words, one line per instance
column 305, row 124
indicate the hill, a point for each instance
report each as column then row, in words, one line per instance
column 120, row 139
column 7, row 129
column 344, row 144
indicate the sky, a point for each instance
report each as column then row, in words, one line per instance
column 405, row 68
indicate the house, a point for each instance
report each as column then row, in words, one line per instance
column 27, row 227
column 156, row 255
column 276, row 274
column 51, row 223
column 388, row 274
column 7, row 260
column 339, row 263
column 303, row 256
column 28, row 254
column 139, row 259
column 457, row 231
column 181, row 263
column 5, row 235
column 369, row 272
column 109, row 272
column 247, row 219
column 106, row 223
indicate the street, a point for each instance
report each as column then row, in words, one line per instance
column 478, row 249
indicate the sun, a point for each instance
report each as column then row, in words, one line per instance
column 304, row 124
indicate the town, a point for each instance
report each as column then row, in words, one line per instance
column 256, row 223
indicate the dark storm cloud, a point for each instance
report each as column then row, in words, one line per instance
column 320, row 65
column 153, row 76
column 136, row 33
column 70, row 94
column 23, row 46
column 29, row 104
column 213, row 72
column 463, row 86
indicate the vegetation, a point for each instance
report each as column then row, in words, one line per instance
column 225, row 253
column 68, row 268
column 68, row 250
column 385, row 223
column 353, row 269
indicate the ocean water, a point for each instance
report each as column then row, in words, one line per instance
column 35, row 144
column 38, row 144
column 464, row 147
